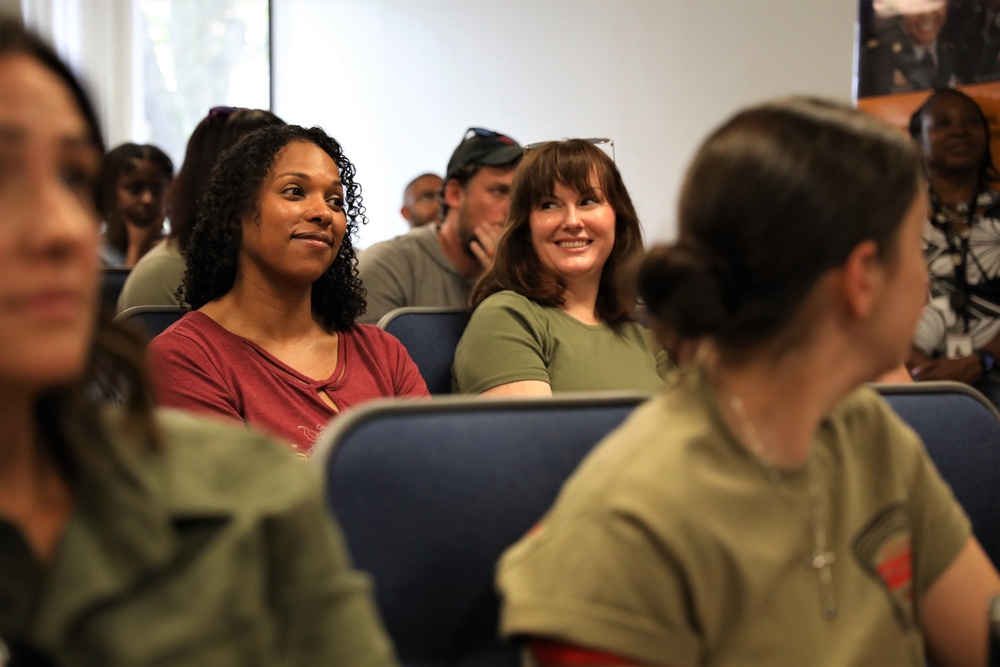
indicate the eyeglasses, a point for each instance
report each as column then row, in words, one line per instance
column 216, row 112
column 600, row 142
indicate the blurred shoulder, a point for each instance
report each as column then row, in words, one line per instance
column 209, row 463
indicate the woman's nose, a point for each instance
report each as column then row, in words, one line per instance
column 63, row 224
column 321, row 214
column 572, row 218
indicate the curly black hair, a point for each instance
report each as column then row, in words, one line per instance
column 234, row 190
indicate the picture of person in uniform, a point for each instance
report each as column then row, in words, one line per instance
column 909, row 51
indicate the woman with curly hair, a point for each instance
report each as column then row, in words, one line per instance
column 118, row 544
column 553, row 313
column 272, row 281
column 156, row 279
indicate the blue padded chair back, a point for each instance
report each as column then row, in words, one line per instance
column 112, row 281
column 430, row 335
column 153, row 320
column 430, row 493
column 961, row 431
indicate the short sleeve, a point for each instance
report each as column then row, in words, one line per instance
column 406, row 378
column 384, row 289
column 601, row 582
column 187, row 377
column 940, row 525
column 153, row 282
column 504, row 342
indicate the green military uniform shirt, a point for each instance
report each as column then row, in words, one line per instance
column 215, row 549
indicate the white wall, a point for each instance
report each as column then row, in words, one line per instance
column 399, row 81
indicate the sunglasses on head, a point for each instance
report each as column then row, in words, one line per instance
column 600, row 142
column 483, row 133
column 216, row 112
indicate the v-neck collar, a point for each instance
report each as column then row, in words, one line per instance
column 274, row 364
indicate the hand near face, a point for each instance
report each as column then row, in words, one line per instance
column 485, row 244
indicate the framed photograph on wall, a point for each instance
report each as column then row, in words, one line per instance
column 906, row 49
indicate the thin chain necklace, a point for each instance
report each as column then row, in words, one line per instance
column 822, row 558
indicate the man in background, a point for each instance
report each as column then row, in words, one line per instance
column 436, row 265
column 422, row 200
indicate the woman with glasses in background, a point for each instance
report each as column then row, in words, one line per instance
column 553, row 313
column 156, row 278
column 133, row 536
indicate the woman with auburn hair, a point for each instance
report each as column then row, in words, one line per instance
column 132, row 536
column 767, row 507
column 273, row 283
column 552, row 313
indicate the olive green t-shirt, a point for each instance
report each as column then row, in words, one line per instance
column 216, row 549
column 671, row 546
column 512, row 338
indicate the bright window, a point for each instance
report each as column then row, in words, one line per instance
column 192, row 55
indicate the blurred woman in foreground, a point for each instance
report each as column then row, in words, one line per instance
column 133, row 538
column 767, row 507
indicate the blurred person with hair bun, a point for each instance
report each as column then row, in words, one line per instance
column 767, row 507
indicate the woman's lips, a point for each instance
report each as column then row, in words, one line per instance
column 49, row 305
column 315, row 238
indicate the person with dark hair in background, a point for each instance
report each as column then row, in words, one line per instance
column 422, row 201
column 958, row 336
column 134, row 179
column 437, row 264
column 272, row 281
column 156, row 279
column 552, row 313
column 132, row 536
column 768, row 507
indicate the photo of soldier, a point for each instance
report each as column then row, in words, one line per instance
column 909, row 47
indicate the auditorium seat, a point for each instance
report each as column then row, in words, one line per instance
column 429, row 494
column 961, row 430
column 430, row 336
column 154, row 320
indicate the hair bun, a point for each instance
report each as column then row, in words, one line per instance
column 683, row 288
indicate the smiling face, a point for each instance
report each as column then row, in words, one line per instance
column 952, row 135
column 573, row 233
column 49, row 231
column 296, row 233
column 141, row 194
column 923, row 27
